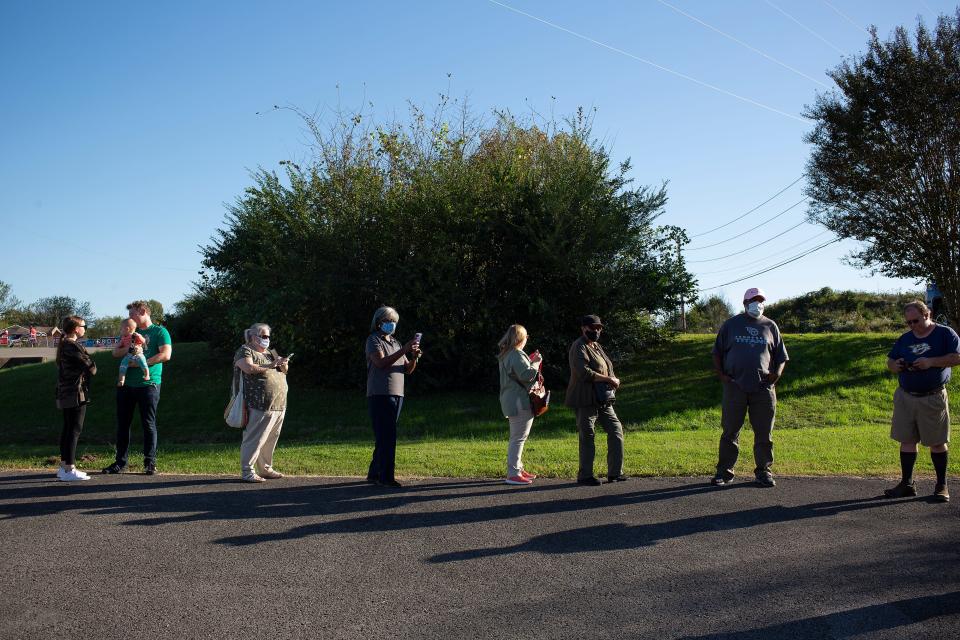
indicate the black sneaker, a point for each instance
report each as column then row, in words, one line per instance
column 620, row 478
column 940, row 493
column 114, row 468
column 592, row 481
column 902, row 490
column 150, row 468
column 719, row 481
column 766, row 480
column 390, row 483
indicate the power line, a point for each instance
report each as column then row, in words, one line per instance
column 764, row 258
column 744, row 44
column 650, row 62
column 750, row 247
column 740, row 235
column 846, row 17
column 808, row 29
column 740, row 217
column 776, row 266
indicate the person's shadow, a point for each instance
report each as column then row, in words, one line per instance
column 611, row 537
column 852, row 622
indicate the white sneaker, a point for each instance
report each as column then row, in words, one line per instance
column 72, row 475
column 84, row 474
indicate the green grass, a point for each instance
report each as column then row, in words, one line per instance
column 833, row 418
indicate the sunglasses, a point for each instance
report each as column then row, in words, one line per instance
column 265, row 337
column 914, row 321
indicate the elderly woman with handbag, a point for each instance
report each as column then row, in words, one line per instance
column 261, row 376
column 518, row 374
column 74, row 368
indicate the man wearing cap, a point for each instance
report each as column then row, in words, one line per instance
column 749, row 358
column 922, row 359
column 592, row 383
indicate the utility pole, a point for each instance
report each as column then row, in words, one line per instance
column 683, row 308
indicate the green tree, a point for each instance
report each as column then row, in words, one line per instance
column 51, row 311
column 707, row 314
column 104, row 326
column 8, row 301
column 885, row 166
column 464, row 228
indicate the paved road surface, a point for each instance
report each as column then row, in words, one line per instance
column 207, row 557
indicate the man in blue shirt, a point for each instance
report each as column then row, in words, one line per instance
column 922, row 358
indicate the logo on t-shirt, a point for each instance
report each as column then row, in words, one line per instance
column 754, row 337
column 920, row 348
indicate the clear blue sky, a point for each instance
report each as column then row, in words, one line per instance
column 125, row 127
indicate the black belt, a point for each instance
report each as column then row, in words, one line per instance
column 923, row 394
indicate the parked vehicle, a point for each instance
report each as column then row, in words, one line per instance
column 935, row 302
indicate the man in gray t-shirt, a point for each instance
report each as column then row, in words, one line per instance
column 749, row 358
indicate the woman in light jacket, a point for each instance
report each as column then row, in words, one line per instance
column 74, row 369
column 265, row 392
column 518, row 373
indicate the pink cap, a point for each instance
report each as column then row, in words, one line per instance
column 753, row 292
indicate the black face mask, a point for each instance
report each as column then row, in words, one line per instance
column 592, row 335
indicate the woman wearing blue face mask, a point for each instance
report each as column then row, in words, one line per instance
column 264, row 376
column 387, row 364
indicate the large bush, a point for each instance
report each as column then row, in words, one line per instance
column 464, row 229
column 826, row 310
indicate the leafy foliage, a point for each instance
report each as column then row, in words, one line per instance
column 707, row 314
column 827, row 310
column 49, row 311
column 884, row 168
column 465, row 229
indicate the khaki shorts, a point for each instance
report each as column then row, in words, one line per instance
column 923, row 419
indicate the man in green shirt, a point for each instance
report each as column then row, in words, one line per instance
column 137, row 392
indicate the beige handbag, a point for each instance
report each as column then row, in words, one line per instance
column 236, row 414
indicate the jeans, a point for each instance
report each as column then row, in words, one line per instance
column 384, row 414
column 128, row 399
column 72, row 425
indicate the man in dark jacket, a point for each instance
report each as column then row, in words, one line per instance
column 591, row 378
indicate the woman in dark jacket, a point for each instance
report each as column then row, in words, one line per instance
column 73, row 393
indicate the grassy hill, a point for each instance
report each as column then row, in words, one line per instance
column 833, row 417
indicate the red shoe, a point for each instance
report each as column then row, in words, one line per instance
column 518, row 480
column 528, row 476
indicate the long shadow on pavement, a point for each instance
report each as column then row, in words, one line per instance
column 854, row 621
column 610, row 537
column 426, row 519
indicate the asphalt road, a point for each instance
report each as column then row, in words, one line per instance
column 208, row 557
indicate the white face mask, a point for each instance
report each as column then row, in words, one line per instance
column 264, row 342
column 755, row 309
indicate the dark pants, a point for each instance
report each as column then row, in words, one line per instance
column 384, row 414
column 587, row 417
column 72, row 426
column 128, row 399
column 762, row 407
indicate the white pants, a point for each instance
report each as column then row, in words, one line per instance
column 259, row 440
column 519, row 430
